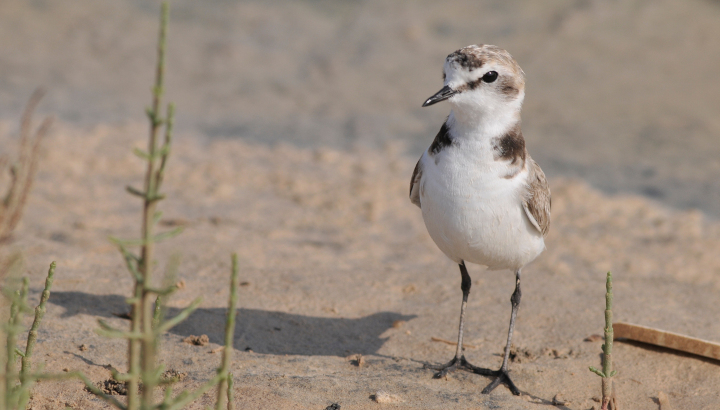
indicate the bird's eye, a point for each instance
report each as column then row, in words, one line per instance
column 490, row 76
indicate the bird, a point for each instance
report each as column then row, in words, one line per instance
column 484, row 200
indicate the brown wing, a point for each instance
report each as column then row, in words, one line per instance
column 537, row 202
column 415, row 184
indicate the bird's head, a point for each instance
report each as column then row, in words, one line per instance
column 482, row 81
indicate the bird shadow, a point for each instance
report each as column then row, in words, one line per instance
column 262, row 331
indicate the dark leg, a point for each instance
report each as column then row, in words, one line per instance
column 502, row 375
column 465, row 286
column 459, row 362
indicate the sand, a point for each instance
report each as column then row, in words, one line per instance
column 336, row 262
column 298, row 127
column 621, row 94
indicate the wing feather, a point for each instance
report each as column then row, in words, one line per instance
column 415, row 184
column 537, row 201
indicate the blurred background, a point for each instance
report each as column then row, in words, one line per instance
column 623, row 94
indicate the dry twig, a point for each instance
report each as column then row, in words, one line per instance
column 451, row 343
column 22, row 172
column 668, row 339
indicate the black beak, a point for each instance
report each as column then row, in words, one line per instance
column 442, row 95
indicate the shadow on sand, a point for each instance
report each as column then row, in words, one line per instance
column 262, row 331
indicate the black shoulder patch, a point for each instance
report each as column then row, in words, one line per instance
column 511, row 146
column 442, row 140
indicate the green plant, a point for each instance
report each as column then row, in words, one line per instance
column 144, row 375
column 15, row 385
column 225, row 377
column 15, row 389
column 607, row 373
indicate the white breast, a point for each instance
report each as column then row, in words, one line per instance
column 472, row 212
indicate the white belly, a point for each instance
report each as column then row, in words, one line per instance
column 474, row 214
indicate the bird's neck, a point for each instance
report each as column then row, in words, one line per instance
column 478, row 120
column 482, row 124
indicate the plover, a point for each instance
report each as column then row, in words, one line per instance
column 483, row 199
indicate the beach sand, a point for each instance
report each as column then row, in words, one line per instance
column 335, row 261
column 298, row 127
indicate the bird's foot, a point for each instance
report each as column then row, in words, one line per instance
column 455, row 364
column 501, row 377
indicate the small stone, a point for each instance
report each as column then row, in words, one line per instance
column 411, row 288
column 559, row 400
column 398, row 324
column 174, row 374
column 556, row 354
column 664, row 401
column 521, row 355
column 111, row 387
column 83, row 347
column 201, row 340
column 381, row 396
column 357, row 360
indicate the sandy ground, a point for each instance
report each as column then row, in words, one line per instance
column 623, row 94
column 338, row 263
column 298, row 127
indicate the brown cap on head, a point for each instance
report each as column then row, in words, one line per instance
column 474, row 56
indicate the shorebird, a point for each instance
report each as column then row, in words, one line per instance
column 483, row 199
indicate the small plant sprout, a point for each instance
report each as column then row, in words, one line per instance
column 608, row 397
column 225, row 386
column 144, row 374
column 15, row 388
